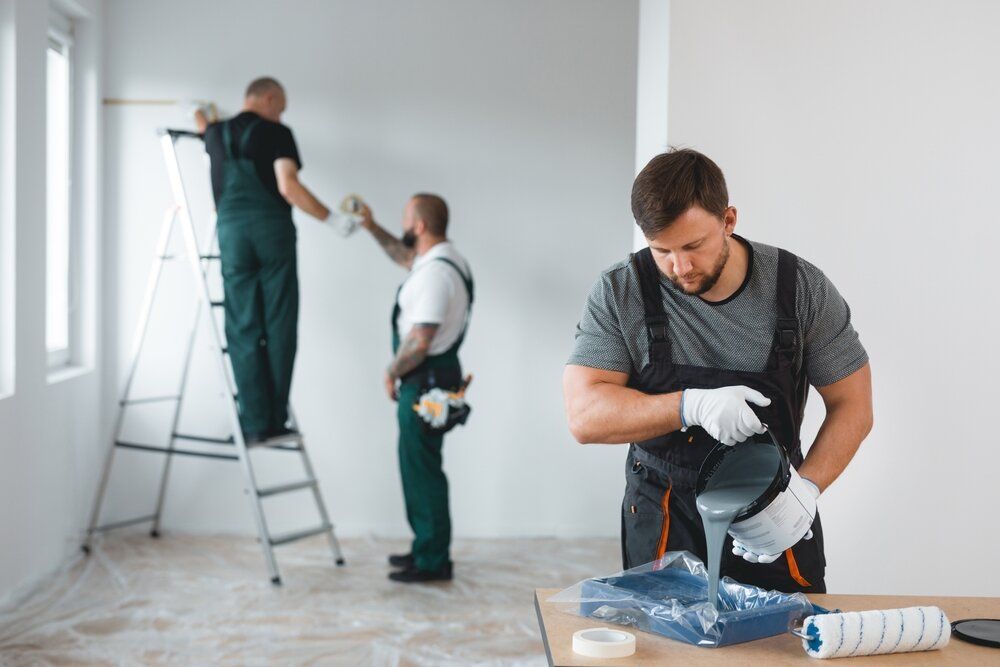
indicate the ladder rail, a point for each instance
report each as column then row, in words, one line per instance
column 138, row 340
column 175, row 419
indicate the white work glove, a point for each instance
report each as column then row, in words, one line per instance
column 347, row 218
column 345, row 225
column 723, row 412
column 741, row 550
column 190, row 107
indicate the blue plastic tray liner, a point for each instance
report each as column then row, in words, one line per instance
column 670, row 598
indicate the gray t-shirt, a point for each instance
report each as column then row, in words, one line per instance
column 735, row 334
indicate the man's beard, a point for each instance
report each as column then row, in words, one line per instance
column 709, row 281
column 409, row 239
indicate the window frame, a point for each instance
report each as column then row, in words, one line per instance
column 60, row 38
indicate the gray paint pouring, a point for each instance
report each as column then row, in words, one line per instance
column 742, row 477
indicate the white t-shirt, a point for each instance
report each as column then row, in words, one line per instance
column 434, row 293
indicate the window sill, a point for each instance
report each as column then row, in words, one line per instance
column 63, row 373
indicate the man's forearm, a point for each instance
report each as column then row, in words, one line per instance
column 299, row 196
column 392, row 246
column 413, row 350
column 838, row 440
column 612, row 414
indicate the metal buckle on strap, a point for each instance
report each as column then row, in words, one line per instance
column 658, row 332
column 788, row 334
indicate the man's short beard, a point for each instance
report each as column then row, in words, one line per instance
column 709, row 282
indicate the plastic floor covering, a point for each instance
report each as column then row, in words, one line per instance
column 199, row 600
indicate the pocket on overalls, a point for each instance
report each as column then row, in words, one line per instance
column 645, row 515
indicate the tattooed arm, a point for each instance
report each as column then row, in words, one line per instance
column 393, row 247
column 412, row 352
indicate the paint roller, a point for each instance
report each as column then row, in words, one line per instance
column 857, row 633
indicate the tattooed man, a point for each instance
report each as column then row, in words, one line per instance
column 429, row 319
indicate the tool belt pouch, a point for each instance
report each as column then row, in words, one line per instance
column 441, row 404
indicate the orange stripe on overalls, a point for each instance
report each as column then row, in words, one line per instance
column 661, row 547
column 793, row 569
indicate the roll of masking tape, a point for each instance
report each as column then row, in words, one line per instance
column 351, row 204
column 603, row 643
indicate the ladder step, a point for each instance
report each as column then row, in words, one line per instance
column 210, row 257
column 122, row 524
column 285, row 488
column 151, row 399
column 290, row 439
column 299, row 535
column 286, row 448
column 217, row 304
column 204, row 438
column 181, row 452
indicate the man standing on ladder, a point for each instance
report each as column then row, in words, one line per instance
column 429, row 321
column 255, row 180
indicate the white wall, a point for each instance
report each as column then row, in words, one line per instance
column 652, row 89
column 522, row 114
column 50, row 427
column 863, row 136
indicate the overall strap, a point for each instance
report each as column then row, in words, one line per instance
column 786, row 336
column 469, row 288
column 245, row 139
column 652, row 303
column 227, row 139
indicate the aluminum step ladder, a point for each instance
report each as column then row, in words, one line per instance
column 232, row 448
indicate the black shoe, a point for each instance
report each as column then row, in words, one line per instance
column 254, row 438
column 413, row 575
column 404, row 561
column 281, row 435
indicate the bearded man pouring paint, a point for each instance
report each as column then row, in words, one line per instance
column 705, row 337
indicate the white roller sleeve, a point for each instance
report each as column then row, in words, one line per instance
column 876, row 632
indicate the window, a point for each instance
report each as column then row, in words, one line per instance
column 58, row 147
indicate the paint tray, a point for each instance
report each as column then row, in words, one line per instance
column 669, row 597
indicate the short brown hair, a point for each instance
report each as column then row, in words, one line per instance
column 672, row 183
column 263, row 85
column 433, row 210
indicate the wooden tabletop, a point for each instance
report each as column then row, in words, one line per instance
column 558, row 627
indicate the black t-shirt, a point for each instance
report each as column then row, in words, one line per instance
column 268, row 142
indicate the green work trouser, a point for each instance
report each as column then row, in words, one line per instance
column 425, row 487
column 262, row 308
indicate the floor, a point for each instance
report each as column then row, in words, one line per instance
column 196, row 600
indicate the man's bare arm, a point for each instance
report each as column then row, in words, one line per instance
column 848, row 420
column 296, row 194
column 392, row 246
column 413, row 350
column 200, row 121
column 601, row 409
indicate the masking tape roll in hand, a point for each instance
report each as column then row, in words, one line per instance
column 603, row 643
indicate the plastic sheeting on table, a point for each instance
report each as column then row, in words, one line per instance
column 669, row 597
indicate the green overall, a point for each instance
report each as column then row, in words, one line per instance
column 425, row 487
column 257, row 248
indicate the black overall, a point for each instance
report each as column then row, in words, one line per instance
column 659, row 512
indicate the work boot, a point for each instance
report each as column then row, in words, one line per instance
column 404, row 561
column 413, row 575
column 251, row 438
